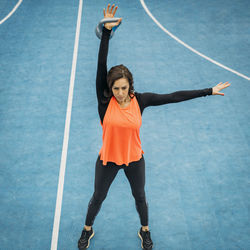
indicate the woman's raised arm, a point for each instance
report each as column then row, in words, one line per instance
column 101, row 77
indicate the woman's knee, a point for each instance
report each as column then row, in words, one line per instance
column 98, row 197
column 139, row 196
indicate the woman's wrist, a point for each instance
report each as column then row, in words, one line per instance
column 107, row 27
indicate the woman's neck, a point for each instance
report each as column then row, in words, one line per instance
column 125, row 103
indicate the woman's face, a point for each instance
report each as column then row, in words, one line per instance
column 120, row 90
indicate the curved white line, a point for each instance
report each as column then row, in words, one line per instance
column 12, row 12
column 189, row 47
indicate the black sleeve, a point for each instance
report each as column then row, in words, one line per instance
column 151, row 99
column 101, row 76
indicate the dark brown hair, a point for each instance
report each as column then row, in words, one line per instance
column 116, row 73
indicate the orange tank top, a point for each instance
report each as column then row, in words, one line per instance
column 121, row 133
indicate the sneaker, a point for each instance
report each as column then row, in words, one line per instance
column 146, row 242
column 83, row 242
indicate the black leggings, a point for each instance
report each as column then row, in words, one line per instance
column 104, row 176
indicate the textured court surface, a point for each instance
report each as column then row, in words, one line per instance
column 197, row 152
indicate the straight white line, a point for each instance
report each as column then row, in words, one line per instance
column 56, row 225
column 189, row 47
column 11, row 13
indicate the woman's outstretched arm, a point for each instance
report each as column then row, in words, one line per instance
column 152, row 99
column 101, row 77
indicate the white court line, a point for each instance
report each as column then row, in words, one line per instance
column 12, row 12
column 56, row 225
column 189, row 47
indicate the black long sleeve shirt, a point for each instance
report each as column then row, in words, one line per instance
column 144, row 99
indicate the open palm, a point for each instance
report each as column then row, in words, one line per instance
column 110, row 13
column 219, row 87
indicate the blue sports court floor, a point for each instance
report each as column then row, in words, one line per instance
column 197, row 152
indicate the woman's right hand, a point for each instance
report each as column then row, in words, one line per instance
column 109, row 13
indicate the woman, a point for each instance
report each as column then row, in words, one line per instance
column 120, row 110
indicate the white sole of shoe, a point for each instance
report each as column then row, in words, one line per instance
column 91, row 236
column 141, row 240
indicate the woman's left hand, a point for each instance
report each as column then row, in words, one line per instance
column 219, row 87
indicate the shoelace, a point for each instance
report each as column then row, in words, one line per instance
column 84, row 233
column 147, row 237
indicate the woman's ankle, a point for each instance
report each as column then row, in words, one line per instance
column 145, row 228
column 87, row 228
